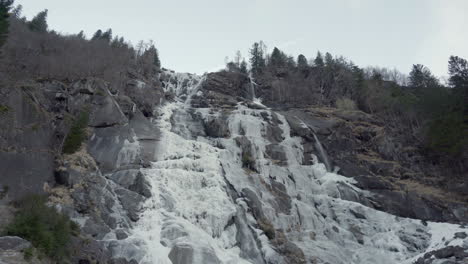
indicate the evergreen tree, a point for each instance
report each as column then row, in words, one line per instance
column 302, row 62
column 319, row 60
column 5, row 6
column 290, row 62
column 329, row 61
column 39, row 22
column 243, row 67
column 421, row 77
column 17, row 11
column 107, row 36
column 97, row 35
column 257, row 59
column 278, row 58
column 458, row 71
column 81, row 35
column 156, row 60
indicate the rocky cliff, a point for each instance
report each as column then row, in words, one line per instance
column 180, row 168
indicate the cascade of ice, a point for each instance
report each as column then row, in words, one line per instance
column 322, row 152
column 252, row 87
column 207, row 208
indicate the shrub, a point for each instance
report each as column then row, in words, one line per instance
column 267, row 227
column 48, row 230
column 4, row 109
column 345, row 104
column 77, row 134
column 28, row 253
column 247, row 161
column 4, row 191
column 446, row 134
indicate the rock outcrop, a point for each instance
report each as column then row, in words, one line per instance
column 100, row 186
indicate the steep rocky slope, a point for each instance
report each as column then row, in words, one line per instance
column 189, row 169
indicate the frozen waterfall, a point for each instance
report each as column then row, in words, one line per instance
column 206, row 207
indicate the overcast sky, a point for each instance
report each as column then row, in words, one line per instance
column 196, row 35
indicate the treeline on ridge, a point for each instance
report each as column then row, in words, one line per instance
column 30, row 50
column 431, row 112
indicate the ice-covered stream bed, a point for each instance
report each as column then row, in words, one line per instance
column 229, row 200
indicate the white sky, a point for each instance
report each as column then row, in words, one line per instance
column 196, row 36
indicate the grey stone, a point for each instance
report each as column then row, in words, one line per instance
column 276, row 153
column 461, row 235
column 254, row 203
column 131, row 202
column 133, row 180
column 357, row 215
column 183, row 253
column 107, row 113
column 13, row 243
column 283, row 200
column 216, row 127
column 121, row 234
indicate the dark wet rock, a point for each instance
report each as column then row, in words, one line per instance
column 451, row 251
column 357, row 215
column 228, row 83
column 183, row 253
column 274, row 133
column 217, row 127
column 254, row 203
column 277, row 154
column 133, row 180
column 131, row 202
column 67, row 176
column 247, row 242
column 106, row 113
column 453, row 254
column 89, row 251
column 356, row 231
column 120, row 234
column 461, row 235
column 293, row 253
column 123, row 261
column 27, row 141
column 283, row 200
column 145, row 95
column 95, row 228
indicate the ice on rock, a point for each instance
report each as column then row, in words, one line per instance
column 207, row 208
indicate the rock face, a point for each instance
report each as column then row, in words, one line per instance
column 178, row 168
column 100, row 186
column 361, row 146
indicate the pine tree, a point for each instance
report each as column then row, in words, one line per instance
column 329, row 61
column 458, row 71
column 107, row 36
column 319, row 60
column 278, row 58
column 302, row 62
column 5, row 6
column 156, row 60
column 97, row 35
column 81, row 35
column 421, row 77
column 243, row 67
column 39, row 22
column 257, row 59
column 17, row 11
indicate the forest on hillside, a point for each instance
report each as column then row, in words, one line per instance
column 31, row 50
column 431, row 111
column 434, row 112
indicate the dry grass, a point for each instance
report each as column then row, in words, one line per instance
column 346, row 104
